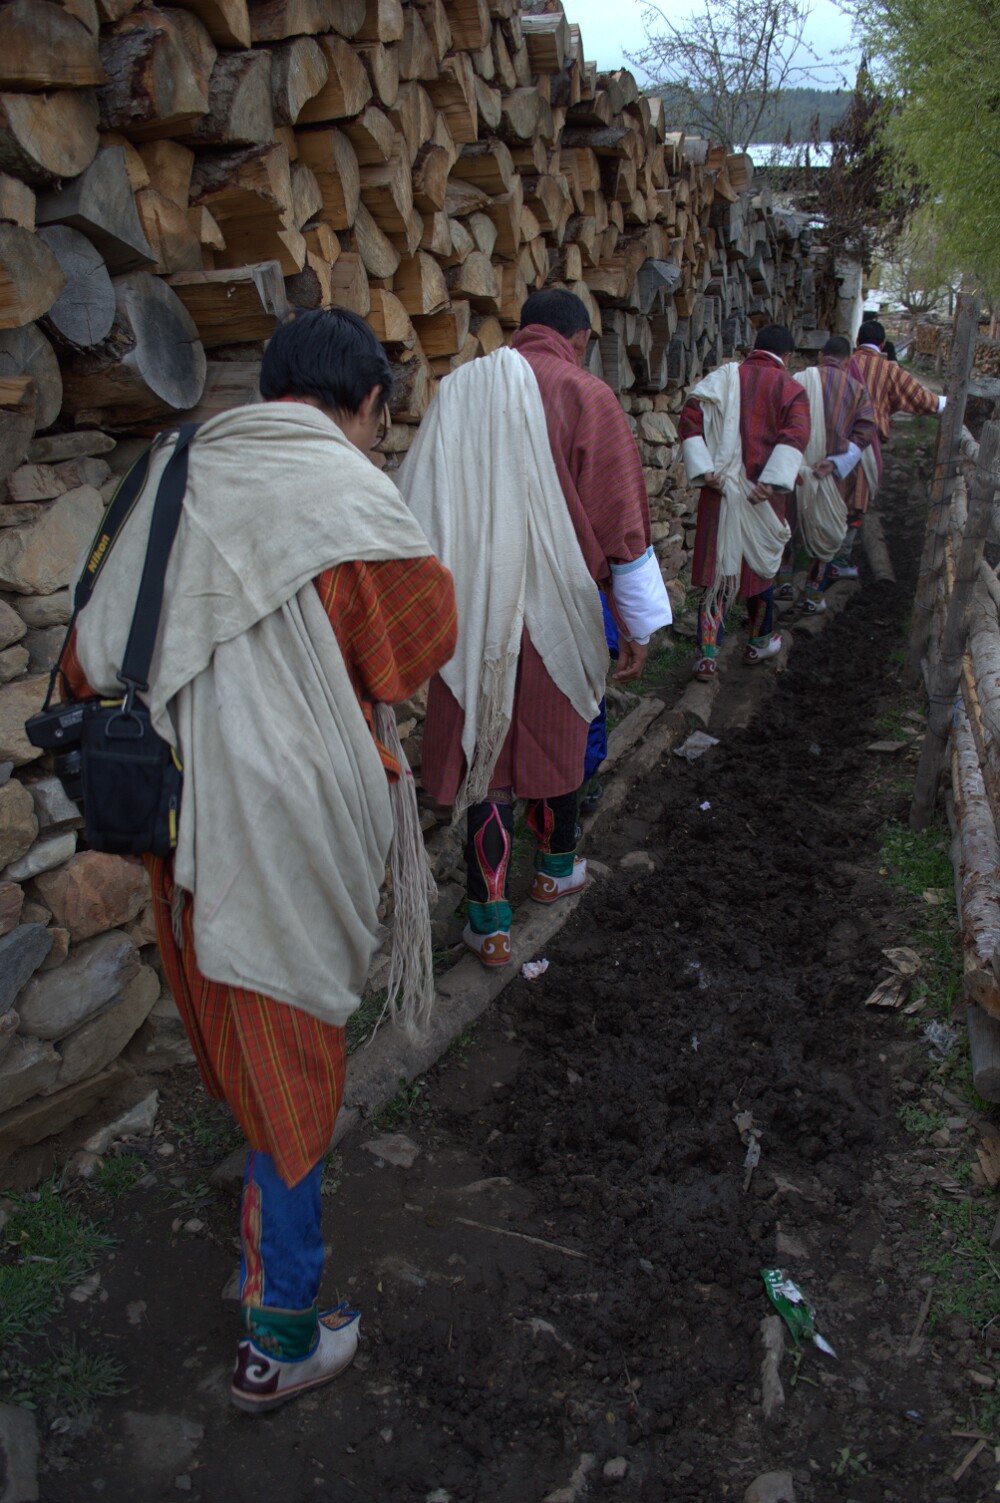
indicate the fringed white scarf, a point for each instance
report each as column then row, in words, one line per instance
column 483, row 485
column 286, row 816
column 822, row 511
column 746, row 530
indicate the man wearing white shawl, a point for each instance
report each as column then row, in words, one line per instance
column 300, row 600
column 841, row 433
column 527, row 480
column 743, row 431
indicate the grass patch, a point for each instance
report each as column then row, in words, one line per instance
column 919, row 1122
column 50, row 1247
column 968, row 1279
column 333, row 1173
column 660, row 663
column 208, row 1128
column 116, row 1176
column 361, row 1024
column 399, row 1111
column 918, row 865
column 71, row 1378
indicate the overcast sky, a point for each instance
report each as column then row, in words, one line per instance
column 612, row 30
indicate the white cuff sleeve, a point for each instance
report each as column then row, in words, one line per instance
column 641, row 596
column 942, row 403
column 782, row 469
column 844, row 463
column 698, row 459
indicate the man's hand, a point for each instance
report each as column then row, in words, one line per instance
column 631, row 660
column 759, row 493
column 713, row 481
column 824, row 468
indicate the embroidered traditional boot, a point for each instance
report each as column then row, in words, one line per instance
column 284, row 1353
column 549, row 888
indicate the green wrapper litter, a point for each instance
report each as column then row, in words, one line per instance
column 794, row 1309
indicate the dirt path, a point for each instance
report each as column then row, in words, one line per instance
column 563, row 1288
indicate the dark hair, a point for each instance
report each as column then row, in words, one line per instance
column 871, row 333
column 838, row 347
column 556, row 309
column 329, row 354
column 776, row 339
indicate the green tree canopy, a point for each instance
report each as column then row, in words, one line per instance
column 941, row 60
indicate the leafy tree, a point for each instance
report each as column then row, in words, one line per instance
column 726, row 64
column 941, row 58
column 921, row 275
column 869, row 190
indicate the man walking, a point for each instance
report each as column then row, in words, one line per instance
column 842, row 430
column 301, row 598
column 892, row 390
column 743, row 429
column 526, row 478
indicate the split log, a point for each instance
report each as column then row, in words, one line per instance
column 307, row 200
column 350, row 285
column 984, row 1047
column 381, row 63
column 436, row 238
column 312, row 287
column 976, row 859
column 277, row 20
column 17, row 202
column 476, row 280
column 27, row 354
column 157, row 82
column 947, row 669
column 387, row 191
column 226, row 21
column 489, row 105
column 444, row 333
column 168, row 167
column 228, row 383
column 170, row 233
column 519, row 114
column 239, row 111
column 249, row 194
column 84, row 311
column 17, row 425
column 389, row 320
column 462, row 244
column 470, row 23
column 152, row 363
column 418, row 60
column 100, row 203
column 430, row 179
column 489, row 332
column 411, row 387
column 414, row 117
column 435, row 19
column 372, row 136
column 376, row 250
column 453, row 91
column 31, row 278
column 487, row 165
column 346, row 90
column 347, row 16
column 45, row 138
column 383, row 21
column 299, row 70
column 42, row 46
column 331, row 156
column 233, row 307
column 547, row 41
column 420, row 286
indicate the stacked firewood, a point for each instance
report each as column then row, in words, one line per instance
column 172, row 181
column 174, row 178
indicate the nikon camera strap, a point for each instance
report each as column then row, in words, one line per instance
column 163, row 528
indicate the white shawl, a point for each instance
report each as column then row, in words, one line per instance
column 746, row 531
column 483, row 485
column 822, row 511
column 285, row 818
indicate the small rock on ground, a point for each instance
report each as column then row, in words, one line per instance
column 638, row 861
column 395, row 1148
column 615, row 1469
column 18, row 1455
column 771, row 1487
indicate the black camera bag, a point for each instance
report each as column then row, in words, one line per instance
column 131, row 777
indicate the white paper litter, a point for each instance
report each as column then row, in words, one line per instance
column 532, row 969
column 696, row 745
column 704, row 806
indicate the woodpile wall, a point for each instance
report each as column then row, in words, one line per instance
column 172, row 179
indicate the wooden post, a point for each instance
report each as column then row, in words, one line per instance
column 946, row 672
column 963, row 346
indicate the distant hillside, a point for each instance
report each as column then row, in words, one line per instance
column 797, row 116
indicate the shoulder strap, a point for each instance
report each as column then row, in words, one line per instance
column 117, row 513
column 134, row 672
